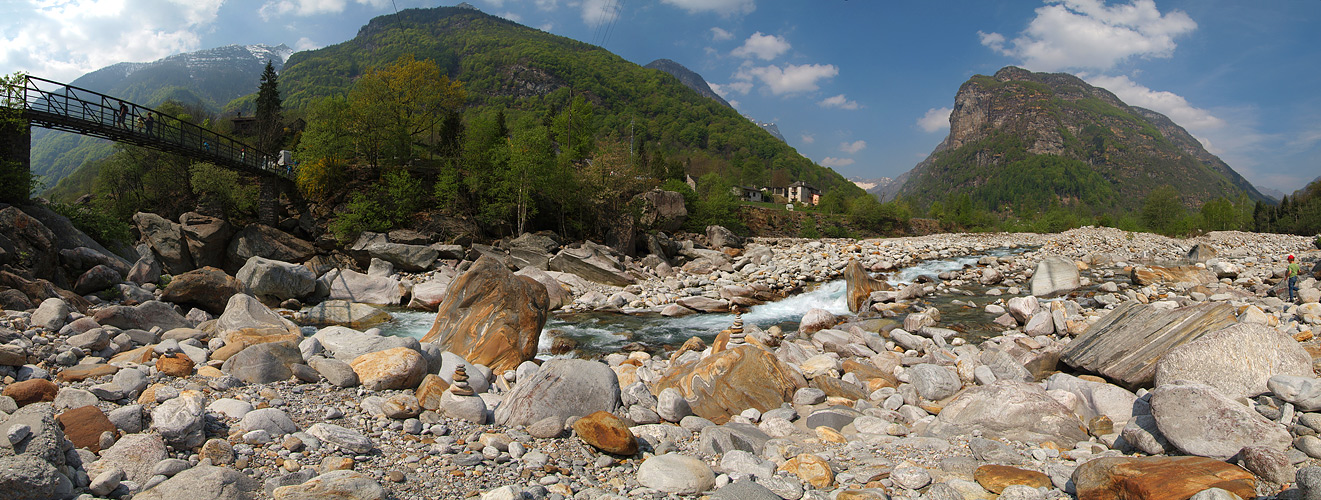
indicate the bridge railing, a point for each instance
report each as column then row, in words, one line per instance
column 66, row 107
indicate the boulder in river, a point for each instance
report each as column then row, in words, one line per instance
column 1053, row 276
column 861, row 285
column 275, row 281
column 344, row 313
column 592, row 262
column 353, row 286
column 1125, row 345
column 491, row 316
column 730, row 381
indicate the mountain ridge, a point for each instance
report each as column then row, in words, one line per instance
column 1020, row 140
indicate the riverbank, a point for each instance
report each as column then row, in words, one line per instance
column 159, row 402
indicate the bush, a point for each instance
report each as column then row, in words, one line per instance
column 101, row 225
column 808, row 228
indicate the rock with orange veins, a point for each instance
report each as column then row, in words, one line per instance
column 491, row 316
column 1159, row 478
column 726, row 383
column 811, row 469
column 397, row 368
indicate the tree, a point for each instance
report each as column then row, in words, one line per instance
column 1162, row 210
column 15, row 178
column 1220, row 215
column 221, row 190
column 270, row 127
column 396, row 107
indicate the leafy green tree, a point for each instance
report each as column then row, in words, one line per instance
column 221, row 190
column 1220, row 215
column 270, row 126
column 400, row 105
column 15, row 179
column 1162, row 210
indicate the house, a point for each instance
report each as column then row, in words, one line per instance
column 803, row 192
column 780, row 191
column 746, row 193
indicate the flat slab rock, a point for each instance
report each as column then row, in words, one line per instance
column 1125, row 344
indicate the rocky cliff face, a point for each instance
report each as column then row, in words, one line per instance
column 688, row 77
column 1067, row 140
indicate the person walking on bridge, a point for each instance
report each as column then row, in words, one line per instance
column 151, row 119
column 121, row 114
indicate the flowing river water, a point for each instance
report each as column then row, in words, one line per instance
column 599, row 333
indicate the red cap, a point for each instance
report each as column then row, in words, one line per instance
column 1291, row 257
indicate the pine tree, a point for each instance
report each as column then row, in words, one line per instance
column 269, row 124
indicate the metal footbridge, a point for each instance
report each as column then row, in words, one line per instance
column 54, row 105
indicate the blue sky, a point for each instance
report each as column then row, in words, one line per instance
column 862, row 86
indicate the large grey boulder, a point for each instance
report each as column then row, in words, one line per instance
column 25, row 478
column 1054, row 276
column 1199, row 420
column 96, row 279
column 144, row 316
column 166, row 240
column 272, row 420
column 558, row 294
column 934, row 382
column 353, row 286
column 45, row 439
column 263, row 363
column 135, row 454
column 1096, row 398
column 265, row 241
column 1304, row 392
column 1237, row 361
column 720, row 237
column 346, row 438
column 245, row 314
column 205, row 481
column 662, row 210
column 675, row 473
column 275, row 280
column 561, row 388
column 181, row 420
column 52, row 314
column 1126, row 343
column 592, row 262
column 1008, row 410
column 410, row 258
column 346, row 344
column 206, row 238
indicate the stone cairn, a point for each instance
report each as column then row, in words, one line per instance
column 736, row 334
column 460, row 386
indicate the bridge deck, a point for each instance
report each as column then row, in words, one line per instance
column 49, row 104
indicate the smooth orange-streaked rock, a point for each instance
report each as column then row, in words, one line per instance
column 31, row 391
column 830, row 435
column 1147, row 275
column 78, row 373
column 1159, row 478
column 606, row 432
column 397, row 368
column 175, row 366
column 430, row 390
column 733, row 380
column 490, row 316
column 140, row 355
column 995, row 478
column 811, row 469
column 84, row 426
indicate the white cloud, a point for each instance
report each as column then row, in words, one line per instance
column 838, row 101
column 734, row 103
column 853, row 147
column 720, row 35
column 1087, row 34
column 722, row 7
column 832, row 162
column 808, row 138
column 64, row 40
column 546, row 27
column 764, row 47
column 306, row 43
column 599, row 12
column 512, row 16
column 935, row 120
column 792, row 78
column 1166, row 103
column 741, row 87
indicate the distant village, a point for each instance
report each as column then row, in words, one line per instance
column 799, row 192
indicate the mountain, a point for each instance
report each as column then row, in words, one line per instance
column 770, row 128
column 873, row 186
column 688, row 77
column 1273, row 194
column 527, row 74
column 208, row 79
column 1020, row 140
